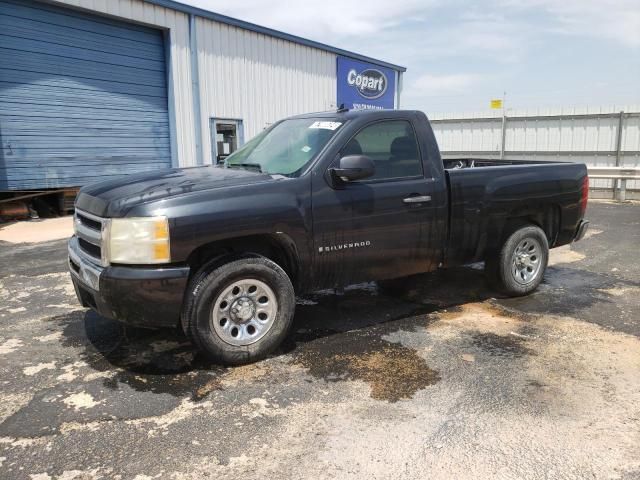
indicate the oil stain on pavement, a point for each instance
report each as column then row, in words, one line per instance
column 393, row 372
column 466, row 382
column 501, row 345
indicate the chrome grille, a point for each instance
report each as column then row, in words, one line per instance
column 88, row 228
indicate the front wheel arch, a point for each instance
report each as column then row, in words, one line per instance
column 279, row 248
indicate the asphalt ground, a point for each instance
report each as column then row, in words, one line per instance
column 447, row 381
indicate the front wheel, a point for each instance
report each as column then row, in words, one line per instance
column 239, row 312
column 517, row 269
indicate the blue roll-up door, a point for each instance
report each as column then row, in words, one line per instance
column 82, row 97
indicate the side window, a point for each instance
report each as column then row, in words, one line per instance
column 391, row 145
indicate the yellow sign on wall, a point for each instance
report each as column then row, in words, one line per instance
column 497, row 103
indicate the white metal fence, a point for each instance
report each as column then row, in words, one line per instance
column 603, row 137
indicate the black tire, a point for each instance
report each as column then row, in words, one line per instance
column 206, row 288
column 508, row 277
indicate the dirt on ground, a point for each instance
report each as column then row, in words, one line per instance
column 36, row 231
column 449, row 380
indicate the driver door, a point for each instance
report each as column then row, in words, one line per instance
column 371, row 229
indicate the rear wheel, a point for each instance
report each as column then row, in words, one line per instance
column 239, row 312
column 518, row 267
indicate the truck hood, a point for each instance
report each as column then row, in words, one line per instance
column 114, row 198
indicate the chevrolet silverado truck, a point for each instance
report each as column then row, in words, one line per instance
column 315, row 201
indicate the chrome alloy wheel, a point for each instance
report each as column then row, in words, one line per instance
column 525, row 263
column 244, row 312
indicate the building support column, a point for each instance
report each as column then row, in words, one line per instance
column 619, row 185
column 195, row 88
column 503, row 135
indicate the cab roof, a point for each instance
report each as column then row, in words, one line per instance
column 353, row 114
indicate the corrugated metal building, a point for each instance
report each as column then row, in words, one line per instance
column 90, row 89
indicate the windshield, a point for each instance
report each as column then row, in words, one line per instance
column 285, row 148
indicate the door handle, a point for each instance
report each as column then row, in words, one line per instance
column 419, row 199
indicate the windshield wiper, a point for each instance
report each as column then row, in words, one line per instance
column 255, row 166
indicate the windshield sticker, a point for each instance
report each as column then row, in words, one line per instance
column 306, row 149
column 325, row 125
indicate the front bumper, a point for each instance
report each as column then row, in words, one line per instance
column 581, row 230
column 141, row 296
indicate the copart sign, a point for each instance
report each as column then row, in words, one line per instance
column 365, row 86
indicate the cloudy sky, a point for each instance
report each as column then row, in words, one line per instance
column 460, row 54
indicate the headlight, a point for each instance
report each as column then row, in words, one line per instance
column 137, row 240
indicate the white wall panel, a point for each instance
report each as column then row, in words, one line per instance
column 631, row 134
column 259, row 79
column 482, row 136
column 546, row 134
column 177, row 23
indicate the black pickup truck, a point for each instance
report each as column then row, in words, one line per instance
column 315, row 201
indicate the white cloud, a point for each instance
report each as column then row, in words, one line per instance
column 458, row 51
column 321, row 20
column 406, row 33
column 502, row 26
column 434, row 85
column 617, row 20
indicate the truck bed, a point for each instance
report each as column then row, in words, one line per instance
column 485, row 194
column 463, row 162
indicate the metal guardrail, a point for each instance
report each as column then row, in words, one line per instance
column 619, row 175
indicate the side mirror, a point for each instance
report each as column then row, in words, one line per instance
column 354, row 167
